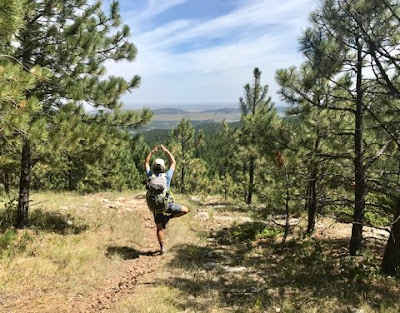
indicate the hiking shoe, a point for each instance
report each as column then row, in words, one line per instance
column 163, row 250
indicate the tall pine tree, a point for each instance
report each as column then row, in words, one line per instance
column 72, row 39
column 257, row 112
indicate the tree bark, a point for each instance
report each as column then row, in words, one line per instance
column 251, row 180
column 312, row 203
column 244, row 180
column 391, row 258
column 7, row 182
column 183, row 146
column 24, row 186
column 312, row 192
column 287, row 208
column 359, row 168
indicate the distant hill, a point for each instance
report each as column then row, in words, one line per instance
column 224, row 110
column 156, row 136
column 221, row 114
column 168, row 118
column 169, row 111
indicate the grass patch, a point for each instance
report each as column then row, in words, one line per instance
column 67, row 249
column 212, row 265
column 160, row 299
column 241, row 268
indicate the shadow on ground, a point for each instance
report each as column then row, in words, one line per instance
column 128, row 253
column 45, row 221
column 301, row 276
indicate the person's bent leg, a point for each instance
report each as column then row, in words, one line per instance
column 178, row 210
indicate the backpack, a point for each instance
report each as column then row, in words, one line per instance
column 157, row 197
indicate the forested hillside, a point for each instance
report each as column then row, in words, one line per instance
column 334, row 155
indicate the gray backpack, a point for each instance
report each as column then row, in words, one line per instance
column 157, row 195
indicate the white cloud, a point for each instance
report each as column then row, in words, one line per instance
column 216, row 73
column 153, row 8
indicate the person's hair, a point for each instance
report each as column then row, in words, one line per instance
column 158, row 169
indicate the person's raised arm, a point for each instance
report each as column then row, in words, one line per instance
column 147, row 162
column 171, row 157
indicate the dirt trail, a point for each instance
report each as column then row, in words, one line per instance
column 123, row 283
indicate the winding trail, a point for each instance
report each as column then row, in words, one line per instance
column 123, row 283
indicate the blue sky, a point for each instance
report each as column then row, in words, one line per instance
column 204, row 51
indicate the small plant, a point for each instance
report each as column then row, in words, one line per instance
column 7, row 239
column 12, row 244
column 268, row 233
column 252, row 231
column 8, row 214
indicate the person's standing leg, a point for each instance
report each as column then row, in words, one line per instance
column 160, row 237
column 160, row 226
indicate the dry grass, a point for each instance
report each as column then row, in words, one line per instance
column 64, row 253
column 218, row 261
column 219, row 264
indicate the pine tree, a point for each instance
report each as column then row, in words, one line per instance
column 257, row 113
column 187, row 141
column 72, row 40
column 15, row 81
column 11, row 13
column 340, row 49
column 335, row 49
column 317, row 145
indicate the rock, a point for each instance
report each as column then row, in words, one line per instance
column 355, row 310
column 211, row 265
column 228, row 295
column 237, row 269
column 194, row 198
column 203, row 215
column 218, row 206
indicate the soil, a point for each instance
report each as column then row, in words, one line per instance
column 123, row 283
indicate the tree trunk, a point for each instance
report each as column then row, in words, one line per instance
column 183, row 147
column 287, row 209
column 312, row 203
column 359, row 169
column 225, row 188
column 251, row 180
column 391, row 258
column 244, row 180
column 183, row 189
column 24, row 186
column 7, row 182
column 312, row 200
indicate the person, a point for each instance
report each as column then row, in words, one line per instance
column 173, row 210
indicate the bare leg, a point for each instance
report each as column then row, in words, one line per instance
column 184, row 211
column 160, row 234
